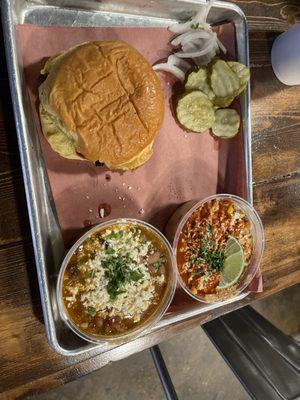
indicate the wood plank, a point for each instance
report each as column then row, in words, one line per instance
column 267, row 15
column 278, row 203
column 13, row 209
column 3, row 70
column 9, row 152
column 275, row 115
column 14, row 225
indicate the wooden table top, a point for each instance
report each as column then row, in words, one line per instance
column 27, row 364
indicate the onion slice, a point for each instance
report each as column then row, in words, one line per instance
column 207, row 9
column 190, row 47
column 177, row 72
column 210, row 45
column 199, row 18
column 194, row 36
column 221, row 46
column 197, row 40
column 178, row 39
column 206, row 59
column 206, row 27
column 173, row 59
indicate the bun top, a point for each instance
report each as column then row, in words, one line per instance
column 106, row 98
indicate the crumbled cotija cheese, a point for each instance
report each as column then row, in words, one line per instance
column 137, row 296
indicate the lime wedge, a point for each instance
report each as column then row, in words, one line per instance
column 233, row 265
column 232, row 246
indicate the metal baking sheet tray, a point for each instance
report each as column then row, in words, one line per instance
column 46, row 235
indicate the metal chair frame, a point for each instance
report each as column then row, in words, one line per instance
column 264, row 359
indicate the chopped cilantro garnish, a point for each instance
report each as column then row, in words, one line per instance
column 118, row 273
column 91, row 311
column 92, row 273
column 110, row 250
column 195, row 26
column 159, row 262
column 207, row 254
column 209, row 230
column 136, row 276
column 197, row 272
column 115, row 235
column 91, row 254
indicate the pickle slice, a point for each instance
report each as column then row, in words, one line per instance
column 227, row 123
column 222, row 102
column 198, row 80
column 242, row 72
column 195, row 111
column 224, row 83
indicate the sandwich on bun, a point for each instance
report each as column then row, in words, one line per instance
column 101, row 101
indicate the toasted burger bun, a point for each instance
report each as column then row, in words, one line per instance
column 101, row 101
column 135, row 162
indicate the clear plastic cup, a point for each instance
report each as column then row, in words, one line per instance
column 182, row 214
column 285, row 56
column 152, row 319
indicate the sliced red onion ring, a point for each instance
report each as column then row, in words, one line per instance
column 177, row 72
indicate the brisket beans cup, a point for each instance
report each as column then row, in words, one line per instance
column 116, row 281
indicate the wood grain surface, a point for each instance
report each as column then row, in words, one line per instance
column 27, row 364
